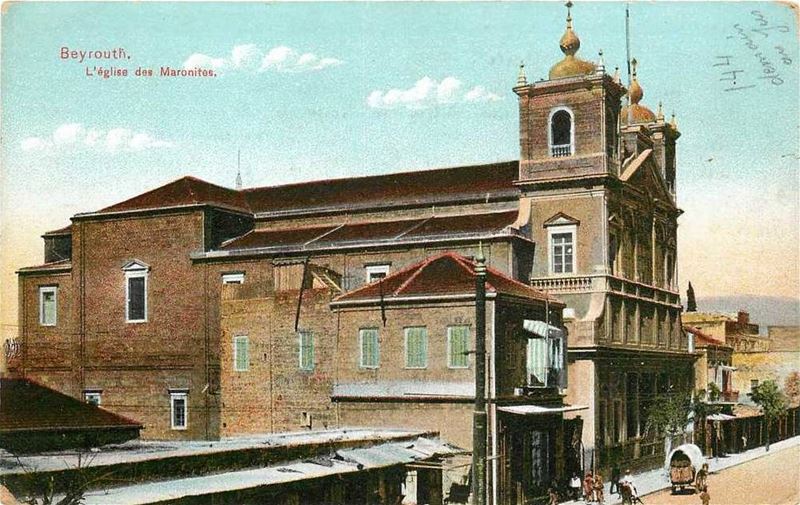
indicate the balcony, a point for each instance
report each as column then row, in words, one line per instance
column 560, row 151
column 730, row 397
column 595, row 283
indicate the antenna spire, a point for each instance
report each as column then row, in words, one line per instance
column 238, row 170
column 628, row 57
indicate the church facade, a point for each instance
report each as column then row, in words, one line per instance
column 181, row 306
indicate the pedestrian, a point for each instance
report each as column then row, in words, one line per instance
column 575, row 486
column 588, row 487
column 553, row 496
column 598, row 488
column 705, row 497
column 629, row 489
column 615, row 478
column 701, row 481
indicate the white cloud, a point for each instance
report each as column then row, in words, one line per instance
column 480, row 94
column 75, row 135
column 203, row 61
column 250, row 58
column 68, row 133
column 427, row 92
column 34, row 144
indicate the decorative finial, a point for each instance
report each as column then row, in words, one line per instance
column 660, row 113
column 601, row 64
column 238, row 170
column 616, row 75
column 480, row 261
column 635, row 92
column 673, row 122
column 569, row 14
column 522, row 80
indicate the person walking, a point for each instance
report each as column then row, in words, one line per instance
column 575, row 487
column 701, row 480
column 628, row 489
column 598, row 489
column 705, row 498
column 615, row 478
column 588, row 487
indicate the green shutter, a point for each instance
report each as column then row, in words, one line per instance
column 417, row 347
column 242, row 353
column 458, row 338
column 370, row 352
column 306, row 350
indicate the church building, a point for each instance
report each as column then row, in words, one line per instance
column 202, row 311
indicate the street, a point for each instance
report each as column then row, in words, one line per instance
column 772, row 480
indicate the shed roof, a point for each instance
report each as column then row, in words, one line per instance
column 28, row 406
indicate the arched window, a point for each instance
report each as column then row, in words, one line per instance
column 561, row 134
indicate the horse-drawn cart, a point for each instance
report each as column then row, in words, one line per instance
column 684, row 463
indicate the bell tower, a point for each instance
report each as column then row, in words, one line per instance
column 569, row 123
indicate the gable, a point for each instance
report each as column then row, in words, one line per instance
column 561, row 219
column 643, row 173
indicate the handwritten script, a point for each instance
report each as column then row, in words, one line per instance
column 766, row 58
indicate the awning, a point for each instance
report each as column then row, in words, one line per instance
column 726, row 367
column 720, row 417
column 532, row 410
column 541, row 329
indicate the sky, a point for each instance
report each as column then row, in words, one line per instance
column 318, row 90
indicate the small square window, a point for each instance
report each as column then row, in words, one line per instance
column 92, row 396
column 369, row 348
column 48, row 305
column 233, row 278
column 416, row 347
column 458, row 347
column 376, row 272
column 241, row 354
column 179, row 409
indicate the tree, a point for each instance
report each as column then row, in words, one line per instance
column 772, row 402
column 691, row 303
column 702, row 410
column 792, row 388
column 668, row 416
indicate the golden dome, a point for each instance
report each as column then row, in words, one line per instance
column 570, row 43
column 638, row 113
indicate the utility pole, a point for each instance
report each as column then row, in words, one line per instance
column 479, row 416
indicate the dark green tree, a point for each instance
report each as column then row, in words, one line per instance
column 691, row 303
column 772, row 401
column 668, row 416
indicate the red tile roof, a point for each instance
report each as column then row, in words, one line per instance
column 376, row 231
column 703, row 339
column 184, row 191
column 406, row 188
column 28, row 406
column 442, row 275
column 414, row 187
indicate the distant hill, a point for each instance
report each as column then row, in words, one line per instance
column 764, row 310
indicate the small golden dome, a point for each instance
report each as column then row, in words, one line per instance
column 569, row 44
column 638, row 113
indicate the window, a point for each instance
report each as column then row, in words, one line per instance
column 233, row 278
column 561, row 134
column 416, row 347
column 562, row 249
column 92, row 396
column 458, row 347
column 179, row 409
column 136, row 292
column 369, row 348
column 48, row 305
column 376, row 272
column 241, row 354
column 306, row 342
